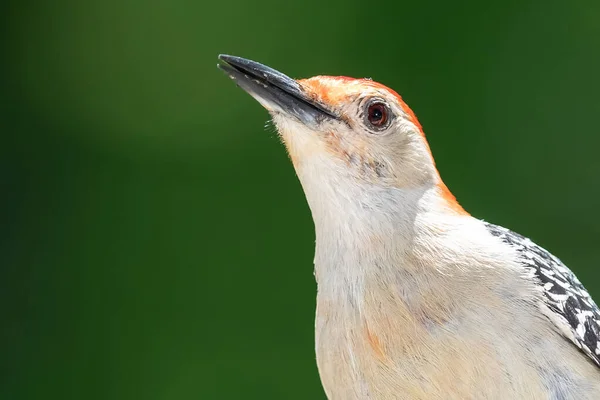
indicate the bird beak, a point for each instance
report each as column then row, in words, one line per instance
column 275, row 91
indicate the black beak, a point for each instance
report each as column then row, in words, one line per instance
column 274, row 90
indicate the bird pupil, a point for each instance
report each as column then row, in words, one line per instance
column 377, row 114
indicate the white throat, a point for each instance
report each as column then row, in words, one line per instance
column 358, row 222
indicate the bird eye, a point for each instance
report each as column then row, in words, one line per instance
column 377, row 115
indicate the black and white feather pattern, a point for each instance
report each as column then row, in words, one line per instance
column 568, row 304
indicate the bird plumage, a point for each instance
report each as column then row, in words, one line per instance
column 566, row 302
column 416, row 298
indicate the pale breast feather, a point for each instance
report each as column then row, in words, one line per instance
column 566, row 302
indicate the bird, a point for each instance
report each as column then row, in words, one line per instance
column 416, row 298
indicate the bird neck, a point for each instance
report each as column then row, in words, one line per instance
column 367, row 230
column 353, row 224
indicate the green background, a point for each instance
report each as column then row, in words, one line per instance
column 155, row 242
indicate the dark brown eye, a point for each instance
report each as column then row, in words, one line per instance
column 377, row 114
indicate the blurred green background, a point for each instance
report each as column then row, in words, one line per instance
column 155, row 242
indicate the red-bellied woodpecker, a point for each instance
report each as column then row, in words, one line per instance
column 416, row 298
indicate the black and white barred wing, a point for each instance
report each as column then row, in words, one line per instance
column 569, row 305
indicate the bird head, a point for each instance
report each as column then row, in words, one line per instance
column 352, row 141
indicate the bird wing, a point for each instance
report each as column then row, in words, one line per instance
column 566, row 302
